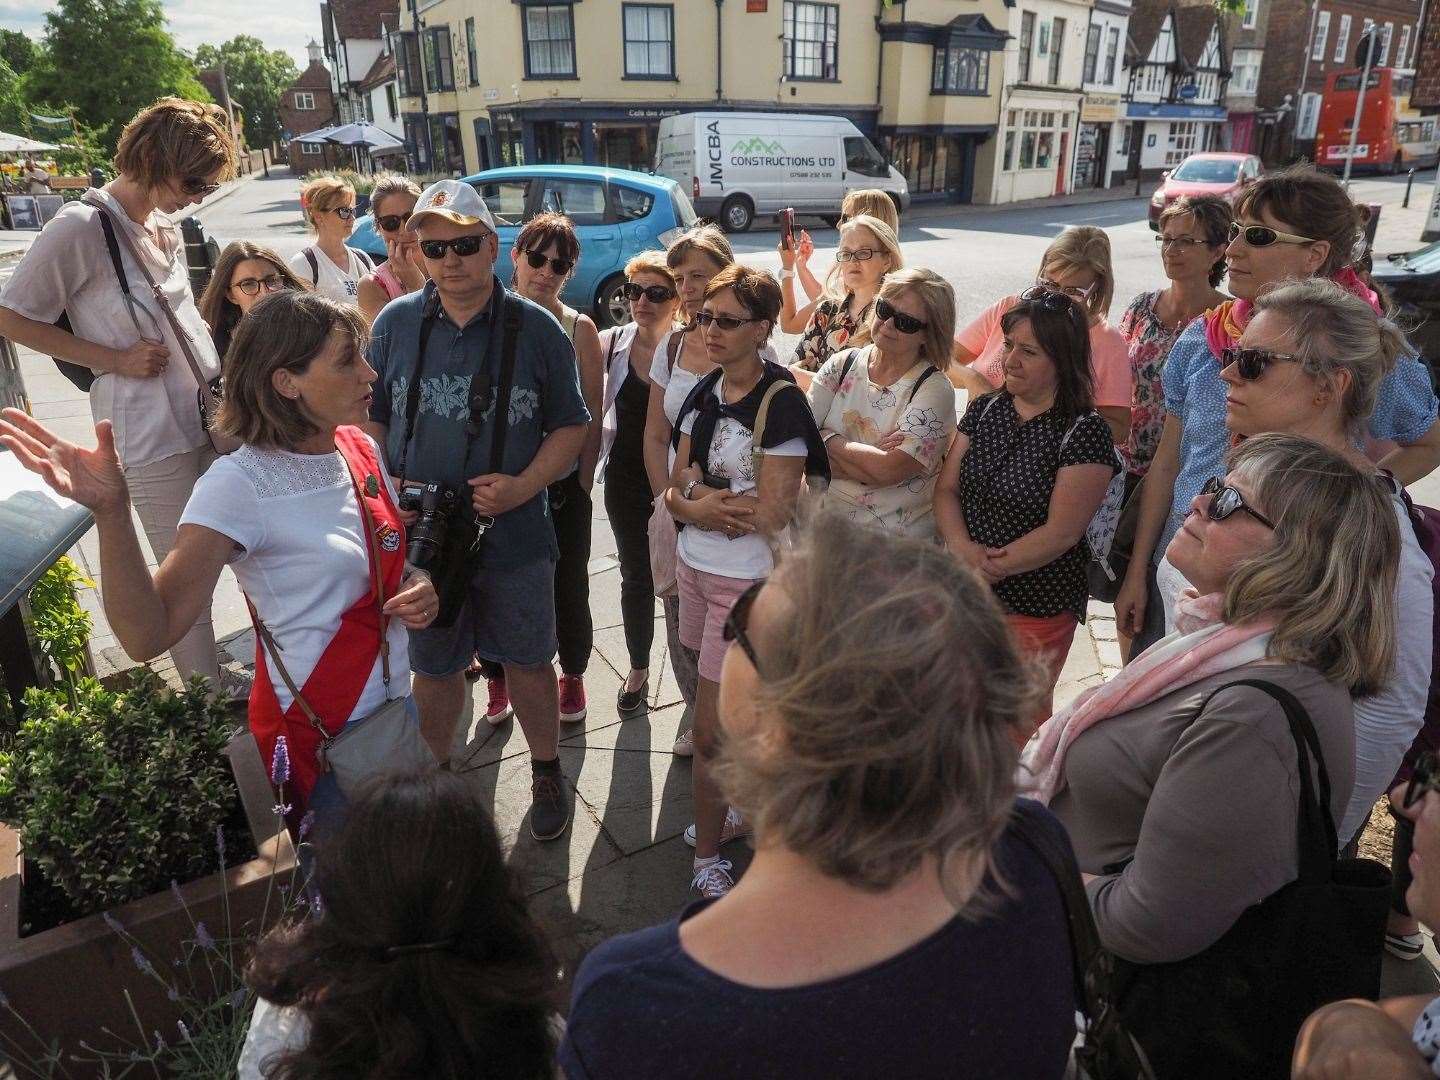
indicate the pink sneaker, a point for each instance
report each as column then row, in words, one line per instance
column 572, row 698
column 499, row 709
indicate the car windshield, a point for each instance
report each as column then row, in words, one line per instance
column 1206, row 171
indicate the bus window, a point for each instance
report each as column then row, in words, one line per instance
column 1351, row 81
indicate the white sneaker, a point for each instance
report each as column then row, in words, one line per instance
column 733, row 828
column 685, row 744
column 713, row 880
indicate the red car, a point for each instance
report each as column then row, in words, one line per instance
column 1204, row 174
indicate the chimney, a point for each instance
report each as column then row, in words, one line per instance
column 314, row 50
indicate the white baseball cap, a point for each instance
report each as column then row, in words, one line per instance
column 454, row 201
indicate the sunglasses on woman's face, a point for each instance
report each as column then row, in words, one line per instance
column 344, row 213
column 1225, row 500
column 725, row 322
column 251, row 286
column 1250, row 364
column 464, row 246
column 738, row 621
column 392, row 222
column 1425, row 778
column 537, row 259
column 845, row 255
column 656, row 294
column 1075, row 292
column 1259, row 236
column 197, row 185
column 906, row 324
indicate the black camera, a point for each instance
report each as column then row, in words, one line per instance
column 435, row 504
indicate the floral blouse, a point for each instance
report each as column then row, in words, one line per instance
column 863, row 412
column 830, row 328
column 1148, row 340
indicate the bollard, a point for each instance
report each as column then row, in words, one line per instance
column 198, row 256
column 1409, row 182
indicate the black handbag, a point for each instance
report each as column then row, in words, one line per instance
column 1235, row 1009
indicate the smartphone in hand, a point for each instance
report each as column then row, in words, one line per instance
column 787, row 226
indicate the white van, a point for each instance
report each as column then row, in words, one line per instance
column 737, row 165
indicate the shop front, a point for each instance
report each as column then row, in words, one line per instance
column 1099, row 140
column 1168, row 133
column 938, row 161
column 1037, row 144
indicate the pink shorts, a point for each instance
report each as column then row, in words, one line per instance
column 705, row 601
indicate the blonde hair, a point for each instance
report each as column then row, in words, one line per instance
column 321, row 192
column 650, row 261
column 1329, row 579
column 890, row 706
column 703, row 240
column 872, row 202
column 936, row 297
column 388, row 184
column 889, row 245
column 176, row 139
column 1084, row 247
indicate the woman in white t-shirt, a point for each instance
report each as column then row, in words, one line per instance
column 331, row 268
column 284, row 512
column 731, row 500
column 169, row 158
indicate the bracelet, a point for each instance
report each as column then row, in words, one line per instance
column 691, row 486
column 825, row 439
column 786, row 275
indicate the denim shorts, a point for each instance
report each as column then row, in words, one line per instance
column 508, row 617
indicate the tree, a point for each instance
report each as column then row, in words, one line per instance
column 18, row 51
column 256, row 76
column 108, row 59
column 13, row 112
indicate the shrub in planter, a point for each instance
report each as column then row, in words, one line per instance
column 61, row 625
column 117, row 794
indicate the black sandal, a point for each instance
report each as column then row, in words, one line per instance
column 632, row 701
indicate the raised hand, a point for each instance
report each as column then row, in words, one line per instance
column 92, row 478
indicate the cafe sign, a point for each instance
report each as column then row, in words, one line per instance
column 1100, row 108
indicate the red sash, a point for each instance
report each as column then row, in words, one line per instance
column 344, row 668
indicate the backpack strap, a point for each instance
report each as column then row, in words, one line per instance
column 672, row 350
column 314, row 266
column 112, row 245
column 365, row 258
column 848, row 363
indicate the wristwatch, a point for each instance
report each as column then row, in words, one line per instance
column 691, row 486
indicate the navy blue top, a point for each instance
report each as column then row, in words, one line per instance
column 545, row 396
column 992, row 996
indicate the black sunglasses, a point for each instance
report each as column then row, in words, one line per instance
column 1052, row 299
column 464, row 246
column 195, row 185
column 344, row 213
column 906, row 324
column 739, row 619
column 1259, row 236
column 560, row 266
column 725, row 322
column 1250, row 364
column 1225, row 500
column 391, row 222
column 1425, row 778
column 251, row 286
column 656, row 294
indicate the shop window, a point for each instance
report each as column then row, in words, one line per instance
column 417, row 141
column 1027, row 149
column 812, row 40
column 649, row 40
column 1044, row 149
column 631, row 204
column 549, row 41
column 582, row 201
column 506, row 199
column 447, row 150
column 959, row 69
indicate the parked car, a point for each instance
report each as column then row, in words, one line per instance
column 740, row 165
column 616, row 214
column 1204, row 174
column 1411, row 279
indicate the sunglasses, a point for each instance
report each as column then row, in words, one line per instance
column 195, row 185
column 1259, row 236
column 464, row 246
column 251, row 286
column 560, row 266
column 725, row 322
column 1225, row 500
column 1072, row 291
column 392, row 222
column 858, row 255
column 906, row 324
column 739, row 619
column 656, row 294
column 1425, row 778
column 344, row 213
column 1250, row 364
column 1046, row 296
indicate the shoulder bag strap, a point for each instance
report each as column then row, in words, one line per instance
column 428, row 316
column 273, row 649
column 672, row 349
column 757, row 452
column 113, row 246
column 314, row 266
column 514, row 315
column 931, row 370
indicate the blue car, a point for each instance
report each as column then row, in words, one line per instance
column 617, row 213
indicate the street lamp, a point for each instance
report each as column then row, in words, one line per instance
column 1367, row 43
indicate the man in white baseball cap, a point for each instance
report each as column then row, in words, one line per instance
column 456, row 202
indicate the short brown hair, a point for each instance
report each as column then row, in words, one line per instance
column 757, row 292
column 705, row 240
column 550, row 228
column 1310, row 203
column 1214, row 215
column 388, row 184
column 176, row 138
column 286, row 332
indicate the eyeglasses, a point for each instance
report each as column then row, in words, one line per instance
column 392, row 222
column 738, row 620
column 344, row 213
column 906, row 324
column 845, row 255
column 195, row 185
column 1259, row 236
column 251, row 286
column 560, row 266
column 656, row 294
column 464, row 246
column 1046, row 297
column 725, row 322
column 1184, row 243
column 1075, row 292
column 1425, row 778
column 1250, row 364
column 1225, row 500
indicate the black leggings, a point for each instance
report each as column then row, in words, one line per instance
column 570, row 511
column 628, row 505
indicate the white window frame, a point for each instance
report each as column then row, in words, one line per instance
column 1404, row 46
column 1342, row 40
column 304, row 101
column 1252, row 15
column 310, row 148
column 1308, row 118
column 1181, row 139
column 1322, row 35
column 1387, row 34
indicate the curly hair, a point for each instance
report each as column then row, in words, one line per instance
column 426, row 962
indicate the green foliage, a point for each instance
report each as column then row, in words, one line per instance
column 1230, row 7
column 17, row 50
column 256, row 77
column 14, row 116
column 61, row 625
column 117, row 794
column 109, row 59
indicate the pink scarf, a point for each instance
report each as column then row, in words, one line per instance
column 1201, row 646
column 1224, row 324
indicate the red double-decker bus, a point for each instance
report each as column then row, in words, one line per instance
column 1392, row 135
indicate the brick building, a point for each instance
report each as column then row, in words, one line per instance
column 1426, row 95
column 1247, row 35
column 308, row 104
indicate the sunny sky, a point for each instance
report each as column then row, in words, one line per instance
column 281, row 24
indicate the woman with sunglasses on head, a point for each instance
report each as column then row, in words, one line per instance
column 544, row 256
column 169, row 158
column 391, row 201
column 795, row 259
column 1077, row 264
column 1028, row 470
column 1179, row 788
column 744, row 441
column 630, row 352
column 244, row 275
column 1293, row 224
column 332, row 269
column 885, row 412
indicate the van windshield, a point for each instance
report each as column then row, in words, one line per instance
column 862, row 157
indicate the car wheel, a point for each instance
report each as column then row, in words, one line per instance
column 611, row 307
column 737, row 214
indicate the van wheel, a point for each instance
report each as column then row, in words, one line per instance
column 737, row 214
column 611, row 307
